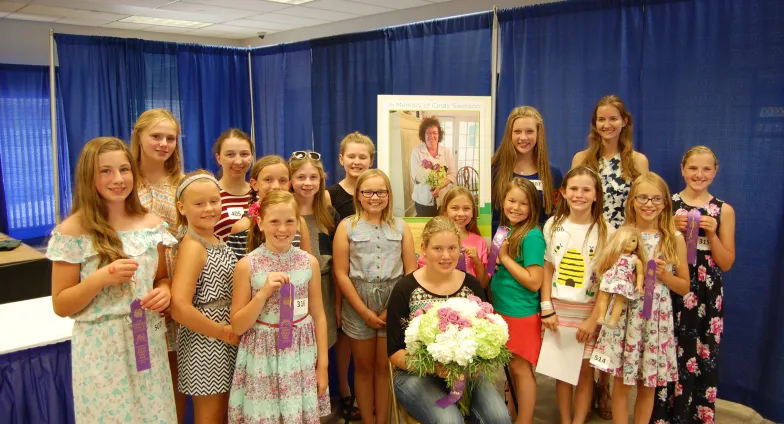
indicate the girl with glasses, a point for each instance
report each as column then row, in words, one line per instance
column 372, row 251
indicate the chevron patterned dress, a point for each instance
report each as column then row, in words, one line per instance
column 274, row 386
column 205, row 364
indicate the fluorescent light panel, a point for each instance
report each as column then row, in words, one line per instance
column 291, row 1
column 164, row 22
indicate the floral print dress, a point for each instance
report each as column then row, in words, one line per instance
column 616, row 190
column 106, row 386
column 643, row 348
column 699, row 323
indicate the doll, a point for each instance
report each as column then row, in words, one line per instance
column 620, row 266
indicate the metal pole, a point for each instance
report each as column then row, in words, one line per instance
column 53, row 118
column 494, row 73
column 252, row 114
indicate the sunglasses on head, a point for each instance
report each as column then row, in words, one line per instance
column 302, row 154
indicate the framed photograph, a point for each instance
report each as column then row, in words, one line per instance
column 430, row 144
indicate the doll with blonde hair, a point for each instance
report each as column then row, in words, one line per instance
column 621, row 268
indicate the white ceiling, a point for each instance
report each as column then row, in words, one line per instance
column 231, row 19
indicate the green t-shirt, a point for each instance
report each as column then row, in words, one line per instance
column 510, row 298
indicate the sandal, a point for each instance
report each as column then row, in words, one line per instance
column 602, row 402
column 349, row 412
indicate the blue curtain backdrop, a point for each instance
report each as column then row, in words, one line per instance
column 692, row 72
column 215, row 96
column 27, row 204
column 282, row 99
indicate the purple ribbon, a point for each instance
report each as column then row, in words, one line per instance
column 648, row 285
column 455, row 393
column 141, row 345
column 692, row 235
column 286, row 325
column 492, row 256
column 461, row 262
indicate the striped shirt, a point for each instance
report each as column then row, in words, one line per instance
column 233, row 208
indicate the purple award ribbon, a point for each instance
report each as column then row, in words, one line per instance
column 141, row 346
column 692, row 235
column 461, row 262
column 648, row 285
column 455, row 393
column 286, row 325
column 492, row 256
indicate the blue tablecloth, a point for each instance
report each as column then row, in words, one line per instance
column 35, row 386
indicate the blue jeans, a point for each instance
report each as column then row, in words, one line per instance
column 419, row 395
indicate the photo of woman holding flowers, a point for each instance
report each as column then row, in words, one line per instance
column 433, row 169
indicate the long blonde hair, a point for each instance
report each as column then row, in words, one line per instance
column 386, row 214
column 597, row 214
column 503, row 161
column 320, row 207
column 625, row 143
column 523, row 227
column 609, row 256
column 145, row 122
column 454, row 193
column 91, row 207
column 665, row 224
column 255, row 235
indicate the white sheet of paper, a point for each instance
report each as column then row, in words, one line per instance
column 561, row 356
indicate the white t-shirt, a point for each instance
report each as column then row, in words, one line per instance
column 572, row 251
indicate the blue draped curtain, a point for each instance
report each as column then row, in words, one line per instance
column 282, row 99
column 27, row 203
column 215, row 96
column 691, row 72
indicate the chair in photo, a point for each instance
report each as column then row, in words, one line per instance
column 468, row 177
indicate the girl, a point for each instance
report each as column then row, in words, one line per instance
column 699, row 314
column 234, row 152
column 321, row 219
column 269, row 173
column 356, row 156
column 459, row 206
column 645, row 348
column 156, row 153
column 201, row 298
column 611, row 154
column 575, row 235
column 515, row 288
column 106, row 255
column 273, row 384
column 372, row 251
column 434, row 283
column 523, row 153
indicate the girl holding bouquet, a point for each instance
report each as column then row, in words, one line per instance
column 432, row 168
column 436, row 282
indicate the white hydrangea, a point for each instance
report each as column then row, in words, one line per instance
column 412, row 335
column 454, row 346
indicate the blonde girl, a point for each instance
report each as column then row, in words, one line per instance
column 372, row 251
column 201, row 298
column 700, row 313
column 156, row 151
column 106, row 255
column 460, row 206
column 234, row 152
column 523, row 154
column 270, row 173
column 652, row 360
column 515, row 288
column 575, row 235
column 273, row 383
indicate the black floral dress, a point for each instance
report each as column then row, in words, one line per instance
column 616, row 190
column 699, row 323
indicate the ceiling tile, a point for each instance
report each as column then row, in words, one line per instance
column 167, row 29
column 10, row 6
column 152, row 4
column 226, row 13
column 348, row 7
column 234, row 29
column 255, row 5
column 126, row 25
column 252, row 23
column 29, row 17
column 327, row 15
column 84, row 21
column 396, row 4
column 37, row 9
column 288, row 19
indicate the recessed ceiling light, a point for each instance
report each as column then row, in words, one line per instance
column 164, row 22
column 291, row 1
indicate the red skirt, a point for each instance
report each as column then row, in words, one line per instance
column 525, row 336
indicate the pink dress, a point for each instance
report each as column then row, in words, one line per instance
column 620, row 278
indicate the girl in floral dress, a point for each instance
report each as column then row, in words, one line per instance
column 273, row 384
column 644, row 349
column 699, row 316
column 106, row 255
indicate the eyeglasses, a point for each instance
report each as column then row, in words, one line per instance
column 369, row 193
column 643, row 199
column 302, row 154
